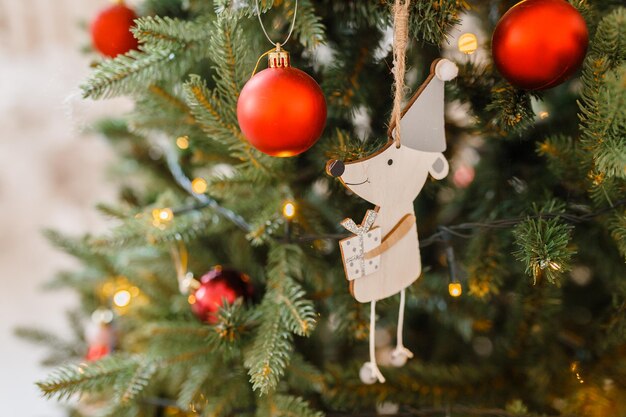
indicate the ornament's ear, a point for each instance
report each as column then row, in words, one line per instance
column 440, row 167
column 422, row 123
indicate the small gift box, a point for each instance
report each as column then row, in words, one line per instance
column 353, row 249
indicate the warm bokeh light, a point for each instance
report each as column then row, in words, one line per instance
column 182, row 142
column 199, row 185
column 574, row 367
column 289, row 210
column 455, row 289
column 468, row 43
column 122, row 298
column 162, row 216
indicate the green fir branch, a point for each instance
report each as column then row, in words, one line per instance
column 61, row 349
column 161, row 109
column 135, row 71
column 309, row 28
column 563, row 154
column 140, row 231
column 543, row 245
column 297, row 312
column 193, row 384
column 270, row 353
column 209, row 112
column 97, row 376
column 602, row 113
column 81, row 250
column 166, row 33
column 284, row 311
column 303, row 376
column 137, row 383
column 120, row 410
column 512, row 109
column 617, row 225
column 232, row 58
column 430, row 21
column 233, row 393
column 485, row 265
column 610, row 151
column 286, row 406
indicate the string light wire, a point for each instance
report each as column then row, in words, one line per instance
column 457, row 230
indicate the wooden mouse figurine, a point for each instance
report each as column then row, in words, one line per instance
column 383, row 258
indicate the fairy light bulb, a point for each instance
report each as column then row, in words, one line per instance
column 161, row 216
column 183, row 142
column 122, row 298
column 455, row 289
column 199, row 185
column 575, row 368
column 289, row 210
column 468, row 43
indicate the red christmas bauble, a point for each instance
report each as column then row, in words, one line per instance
column 538, row 44
column 100, row 336
column 97, row 352
column 110, row 31
column 281, row 111
column 215, row 286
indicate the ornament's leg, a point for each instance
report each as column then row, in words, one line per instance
column 369, row 372
column 400, row 354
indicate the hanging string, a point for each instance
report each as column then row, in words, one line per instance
column 293, row 23
column 258, row 61
column 180, row 258
column 400, row 41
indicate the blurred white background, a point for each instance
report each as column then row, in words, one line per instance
column 51, row 175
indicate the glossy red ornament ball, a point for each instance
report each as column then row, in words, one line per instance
column 538, row 44
column 281, row 111
column 110, row 31
column 217, row 285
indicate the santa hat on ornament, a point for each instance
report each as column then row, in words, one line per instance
column 422, row 123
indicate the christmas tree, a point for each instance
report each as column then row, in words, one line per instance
column 220, row 290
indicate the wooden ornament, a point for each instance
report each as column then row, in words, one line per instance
column 391, row 179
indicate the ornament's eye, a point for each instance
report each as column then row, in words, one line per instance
column 390, row 162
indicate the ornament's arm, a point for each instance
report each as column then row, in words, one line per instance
column 398, row 232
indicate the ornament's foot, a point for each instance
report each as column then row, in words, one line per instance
column 370, row 373
column 400, row 355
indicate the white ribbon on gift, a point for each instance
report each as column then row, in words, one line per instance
column 360, row 231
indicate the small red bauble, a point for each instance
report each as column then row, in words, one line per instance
column 538, row 44
column 110, row 31
column 215, row 286
column 100, row 335
column 97, row 352
column 281, row 110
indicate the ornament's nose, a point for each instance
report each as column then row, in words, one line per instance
column 335, row 168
